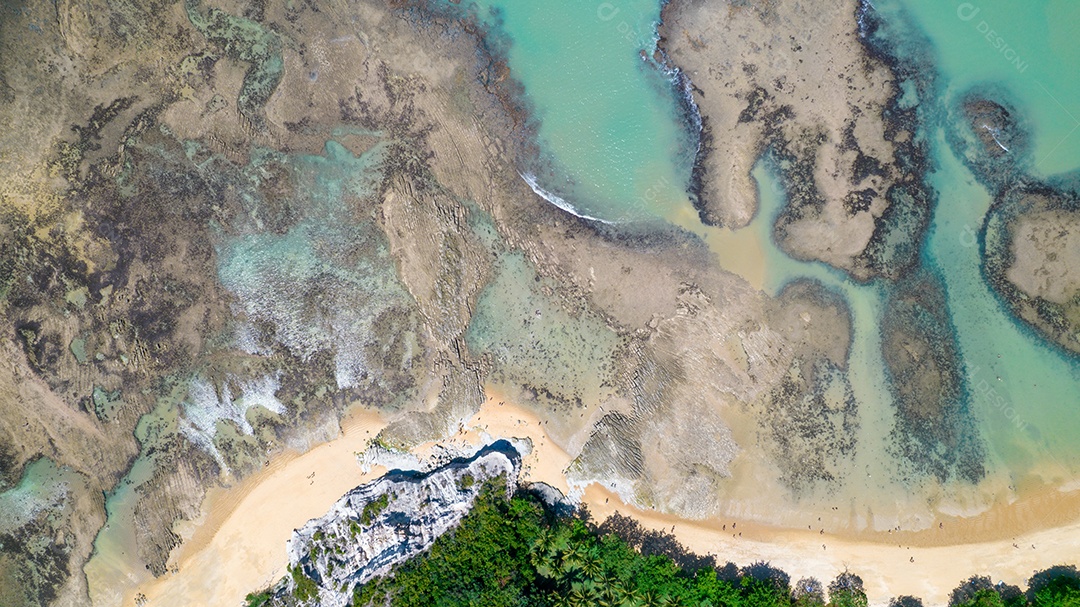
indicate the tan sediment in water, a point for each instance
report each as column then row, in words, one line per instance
column 791, row 78
column 239, row 545
column 738, row 251
column 1046, row 255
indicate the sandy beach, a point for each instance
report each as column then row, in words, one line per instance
column 239, row 545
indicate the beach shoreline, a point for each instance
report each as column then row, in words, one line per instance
column 238, row 546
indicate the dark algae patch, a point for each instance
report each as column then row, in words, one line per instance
column 934, row 430
column 244, row 40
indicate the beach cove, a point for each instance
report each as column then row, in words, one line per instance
column 238, row 545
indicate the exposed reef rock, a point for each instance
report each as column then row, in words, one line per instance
column 382, row 523
column 44, row 533
column 1029, row 239
column 221, row 225
column 810, row 416
column 248, row 42
column 131, row 341
column 1031, row 244
column 988, row 134
column 824, row 109
column 934, row 429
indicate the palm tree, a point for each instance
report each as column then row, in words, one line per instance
column 583, row 597
column 543, row 551
column 632, row 597
column 571, row 557
column 612, row 587
column 591, row 564
column 562, row 600
column 651, row 599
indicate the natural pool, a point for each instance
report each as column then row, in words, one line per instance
column 610, row 128
column 618, row 160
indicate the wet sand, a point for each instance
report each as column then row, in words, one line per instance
column 239, row 546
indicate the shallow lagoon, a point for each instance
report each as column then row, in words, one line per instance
column 601, row 151
column 610, row 128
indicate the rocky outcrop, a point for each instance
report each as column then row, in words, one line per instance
column 1028, row 237
column 934, row 428
column 801, row 87
column 991, row 137
column 1030, row 248
column 387, row 521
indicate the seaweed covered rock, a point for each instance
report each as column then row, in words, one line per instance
column 1031, row 253
column 934, row 428
column 988, row 134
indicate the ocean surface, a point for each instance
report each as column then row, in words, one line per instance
column 616, row 144
column 610, row 127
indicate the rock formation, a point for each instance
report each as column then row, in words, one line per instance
column 382, row 523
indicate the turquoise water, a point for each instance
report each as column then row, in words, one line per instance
column 1025, row 392
column 615, row 146
column 1030, row 48
column 43, row 487
column 313, row 267
column 115, row 558
column 610, row 127
column 536, row 343
column 310, row 280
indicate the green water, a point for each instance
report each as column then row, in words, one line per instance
column 115, row 560
column 309, row 280
column 615, row 147
column 43, row 487
column 315, row 269
column 1024, row 391
column 610, row 128
column 536, row 343
column 1030, row 48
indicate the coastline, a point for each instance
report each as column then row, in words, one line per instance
column 238, row 546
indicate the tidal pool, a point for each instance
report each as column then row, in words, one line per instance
column 611, row 130
column 616, row 144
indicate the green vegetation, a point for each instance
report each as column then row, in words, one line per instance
column 256, row 599
column 374, row 509
column 466, row 482
column 515, row 553
column 847, row 591
column 305, row 588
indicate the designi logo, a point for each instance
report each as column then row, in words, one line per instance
column 606, row 11
column 967, row 11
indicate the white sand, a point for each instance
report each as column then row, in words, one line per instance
column 239, row 546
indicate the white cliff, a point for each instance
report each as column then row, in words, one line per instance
column 377, row 525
